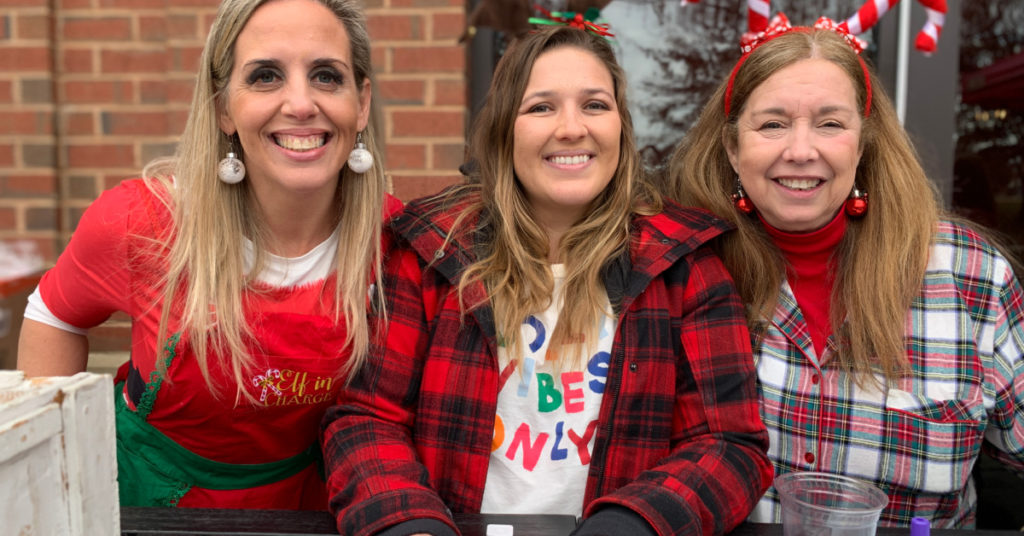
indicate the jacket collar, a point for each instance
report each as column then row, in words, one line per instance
column 658, row 241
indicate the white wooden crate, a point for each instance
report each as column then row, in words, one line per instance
column 58, row 463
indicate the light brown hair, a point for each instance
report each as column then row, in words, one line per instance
column 212, row 219
column 514, row 265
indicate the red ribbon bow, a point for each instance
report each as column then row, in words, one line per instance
column 780, row 25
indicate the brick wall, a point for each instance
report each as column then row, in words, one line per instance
column 91, row 90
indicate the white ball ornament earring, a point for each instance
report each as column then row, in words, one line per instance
column 360, row 160
column 231, row 170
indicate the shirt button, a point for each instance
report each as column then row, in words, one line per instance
column 815, row 379
column 809, row 457
column 632, row 367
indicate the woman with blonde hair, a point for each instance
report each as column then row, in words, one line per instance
column 559, row 339
column 887, row 336
column 244, row 263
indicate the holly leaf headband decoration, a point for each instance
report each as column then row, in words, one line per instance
column 585, row 21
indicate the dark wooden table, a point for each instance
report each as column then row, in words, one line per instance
column 198, row 521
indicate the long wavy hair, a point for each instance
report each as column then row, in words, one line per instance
column 211, row 219
column 881, row 258
column 513, row 264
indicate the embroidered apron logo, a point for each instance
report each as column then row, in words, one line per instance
column 266, row 381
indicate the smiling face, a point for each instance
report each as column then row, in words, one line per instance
column 566, row 135
column 798, row 145
column 292, row 99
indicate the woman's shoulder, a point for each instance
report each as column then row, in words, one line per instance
column 968, row 253
column 685, row 223
column 962, row 235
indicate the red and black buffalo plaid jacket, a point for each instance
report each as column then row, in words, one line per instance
column 680, row 441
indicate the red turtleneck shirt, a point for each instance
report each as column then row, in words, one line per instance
column 811, row 271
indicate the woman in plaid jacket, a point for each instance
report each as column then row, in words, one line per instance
column 888, row 337
column 559, row 340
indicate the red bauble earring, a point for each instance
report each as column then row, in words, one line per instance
column 857, row 204
column 741, row 201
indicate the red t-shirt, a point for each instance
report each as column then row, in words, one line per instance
column 111, row 265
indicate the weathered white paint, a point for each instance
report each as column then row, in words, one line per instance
column 58, row 463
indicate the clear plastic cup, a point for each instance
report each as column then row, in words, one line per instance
column 822, row 504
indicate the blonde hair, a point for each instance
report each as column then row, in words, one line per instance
column 882, row 257
column 513, row 264
column 211, row 219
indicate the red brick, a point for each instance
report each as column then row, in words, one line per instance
column 26, row 123
column 37, row 90
column 133, row 61
column 192, row 3
column 427, row 3
column 77, row 61
column 186, row 59
column 26, row 59
column 166, row 90
column 98, row 29
column 6, row 91
column 413, row 156
column 132, row 4
column 6, row 155
column 450, row 92
column 137, row 123
column 176, row 120
column 97, row 91
column 74, row 4
column 448, row 25
column 40, row 218
column 23, row 3
column 33, row 26
column 180, row 90
column 428, row 123
column 109, row 181
column 8, row 219
column 101, row 156
column 153, row 28
column 401, row 91
column 448, row 156
column 429, row 59
column 180, row 26
column 30, row 185
column 379, row 59
column 79, row 124
column 395, row 27
column 410, row 187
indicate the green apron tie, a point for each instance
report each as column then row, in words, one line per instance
column 153, row 470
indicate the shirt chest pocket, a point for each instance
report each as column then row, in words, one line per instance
column 932, row 443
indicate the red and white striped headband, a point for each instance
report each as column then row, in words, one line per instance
column 779, row 25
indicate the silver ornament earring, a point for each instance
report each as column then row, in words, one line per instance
column 231, row 170
column 360, row 160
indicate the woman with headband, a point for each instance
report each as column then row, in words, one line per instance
column 887, row 335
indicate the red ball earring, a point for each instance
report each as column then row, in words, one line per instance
column 741, row 201
column 857, row 204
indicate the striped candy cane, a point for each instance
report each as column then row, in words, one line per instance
column 872, row 10
column 757, row 15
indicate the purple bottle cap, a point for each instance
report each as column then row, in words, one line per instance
column 919, row 526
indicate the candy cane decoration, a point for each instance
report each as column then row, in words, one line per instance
column 872, row 10
column 757, row 15
column 266, row 381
